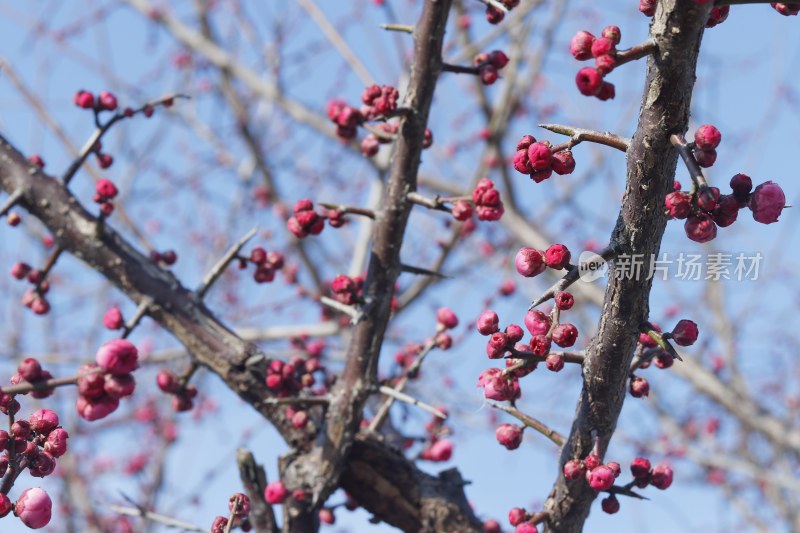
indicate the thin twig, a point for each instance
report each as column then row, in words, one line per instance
column 155, row 517
column 495, row 4
column 431, row 203
column 405, row 28
column 459, row 69
column 214, row 274
column 695, row 172
column 403, row 397
column 571, row 277
column 141, row 310
column 349, row 210
column 11, row 201
column 639, row 51
column 557, row 438
column 579, row 135
column 422, row 271
column 349, row 310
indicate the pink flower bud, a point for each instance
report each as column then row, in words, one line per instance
column 119, row 386
column 522, row 163
column 488, row 74
column 786, row 9
column 767, row 202
column 661, row 477
column 487, row 323
column 43, row 421
column 495, row 386
column 574, row 470
column 613, row 33
column 601, row 478
column 557, row 257
column 678, row 204
column 56, row 443
column 707, row 137
column 563, row 162
column 615, row 467
column 536, row 322
column 565, row 335
column 239, row 504
column 514, row 334
column 370, row 145
column 529, row 262
column 509, row 435
column 526, row 527
column 84, row 99
column 107, row 100
column 462, row 210
column 104, row 160
column 275, row 493
column 516, row 516
column 554, row 362
column 685, row 333
column 610, row 505
column 446, row 317
column 591, row 461
column 718, row 15
column 491, row 526
column 97, row 408
column 498, row 58
column 588, row 81
column 639, row 387
column 441, row 451
column 113, row 319
column 741, row 185
column 705, row 158
column 219, row 524
column 581, row 45
column 603, row 46
column 5, row 503
column 539, row 156
column 607, row 91
column 564, row 301
column 640, row 467
column 30, row 370
column 20, row 270
column 34, row 508
column 700, row 228
column 540, row 345
column 119, row 356
column 525, row 142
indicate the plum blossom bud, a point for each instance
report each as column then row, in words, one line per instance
column 700, row 228
column 678, row 204
column 326, row 516
column 685, row 333
column 530, row 262
column 219, row 524
column 43, row 421
column 661, row 477
column 522, row 163
column 239, row 504
column 610, row 505
column 509, row 435
column 639, row 387
column 540, row 345
column 106, row 190
column 447, row 318
column 30, row 369
column 34, row 508
column 96, row 408
column 707, row 137
column 581, row 45
column 601, row 478
column 602, row 47
column 557, row 257
column 56, row 443
column 767, row 202
column 640, row 467
column 275, row 493
column 539, row 156
column 461, row 210
column 563, row 162
column 113, row 319
column 589, row 81
column 491, row 526
column 488, row 322
column 5, row 504
column 119, row 356
column 574, row 469
column 119, row 386
column 440, row 451
column 526, row 527
column 741, row 185
column 554, row 362
column 516, row 516
column 536, row 322
column 564, row 301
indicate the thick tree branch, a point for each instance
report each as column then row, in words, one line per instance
column 677, row 30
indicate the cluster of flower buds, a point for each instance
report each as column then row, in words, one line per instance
column 705, row 210
column 347, row 290
column 379, row 101
column 305, row 221
column 239, row 506
column 34, row 298
column 267, row 263
column 437, row 448
column 538, row 160
column 102, row 384
column 28, row 371
column 495, row 15
column 105, row 191
column 40, row 440
column 488, row 204
column 489, row 65
column 603, row 49
column 684, row 333
column 183, row 395
column 285, row 379
column 105, row 101
column 165, row 258
column 371, row 143
column 445, row 319
column 531, row 262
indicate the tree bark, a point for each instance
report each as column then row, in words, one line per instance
column 677, row 30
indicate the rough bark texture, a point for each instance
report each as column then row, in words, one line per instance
column 320, row 468
column 677, row 29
